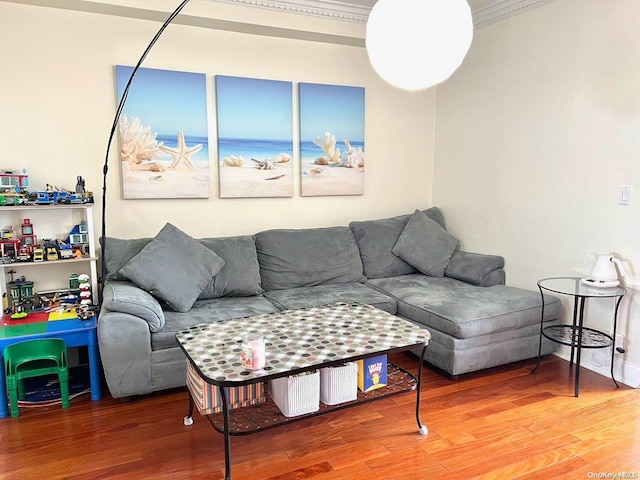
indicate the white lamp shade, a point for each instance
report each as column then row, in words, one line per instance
column 415, row 44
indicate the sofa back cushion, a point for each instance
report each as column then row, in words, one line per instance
column 239, row 277
column 117, row 252
column 376, row 239
column 308, row 257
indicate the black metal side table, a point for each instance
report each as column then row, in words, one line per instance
column 577, row 336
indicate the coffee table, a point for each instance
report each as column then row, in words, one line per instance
column 298, row 341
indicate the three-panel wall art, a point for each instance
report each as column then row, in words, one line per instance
column 165, row 137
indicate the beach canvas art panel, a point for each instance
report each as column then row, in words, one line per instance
column 164, row 143
column 331, row 140
column 255, row 137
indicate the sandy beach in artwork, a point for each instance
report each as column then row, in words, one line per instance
column 319, row 180
column 248, row 181
column 172, row 183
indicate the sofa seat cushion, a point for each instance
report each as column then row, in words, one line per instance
column 207, row 311
column 460, row 356
column 308, row 257
column 304, row 297
column 465, row 311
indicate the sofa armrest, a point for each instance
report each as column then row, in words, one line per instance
column 125, row 297
column 476, row 269
column 125, row 350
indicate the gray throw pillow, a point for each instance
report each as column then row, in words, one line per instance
column 425, row 245
column 173, row 267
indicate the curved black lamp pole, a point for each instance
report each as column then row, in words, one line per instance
column 114, row 126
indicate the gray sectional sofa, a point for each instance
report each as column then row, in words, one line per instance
column 476, row 321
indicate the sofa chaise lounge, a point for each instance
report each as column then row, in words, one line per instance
column 476, row 321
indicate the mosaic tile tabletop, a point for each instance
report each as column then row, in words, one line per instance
column 297, row 339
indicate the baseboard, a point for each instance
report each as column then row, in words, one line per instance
column 625, row 372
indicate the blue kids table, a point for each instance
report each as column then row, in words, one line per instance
column 75, row 332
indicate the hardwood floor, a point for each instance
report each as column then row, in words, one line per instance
column 503, row 423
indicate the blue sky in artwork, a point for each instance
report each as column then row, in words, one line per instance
column 331, row 108
column 166, row 101
column 254, row 109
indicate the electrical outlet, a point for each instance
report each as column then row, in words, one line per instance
column 619, row 340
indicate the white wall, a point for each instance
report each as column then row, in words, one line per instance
column 534, row 136
column 58, row 103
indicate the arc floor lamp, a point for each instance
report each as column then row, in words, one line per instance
column 114, row 126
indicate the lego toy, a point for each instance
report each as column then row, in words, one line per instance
column 21, row 296
column 13, row 187
column 9, row 245
column 85, row 289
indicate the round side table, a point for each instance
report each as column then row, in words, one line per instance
column 577, row 336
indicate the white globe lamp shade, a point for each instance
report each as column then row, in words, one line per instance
column 415, row 44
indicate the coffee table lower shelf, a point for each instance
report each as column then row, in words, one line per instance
column 265, row 415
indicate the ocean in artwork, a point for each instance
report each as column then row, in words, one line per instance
column 255, row 168
column 257, row 149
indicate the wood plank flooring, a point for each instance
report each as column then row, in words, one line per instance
column 501, row 424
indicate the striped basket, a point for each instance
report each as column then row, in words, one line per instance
column 207, row 397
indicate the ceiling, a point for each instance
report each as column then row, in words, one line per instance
column 355, row 11
column 484, row 11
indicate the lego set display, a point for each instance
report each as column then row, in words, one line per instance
column 26, row 248
column 14, row 190
column 22, row 299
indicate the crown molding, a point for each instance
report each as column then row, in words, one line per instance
column 329, row 9
column 352, row 12
column 501, row 9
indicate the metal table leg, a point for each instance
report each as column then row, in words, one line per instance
column 421, row 428
column 613, row 346
column 575, row 318
column 188, row 420
column 579, row 347
column 540, row 340
column 227, row 436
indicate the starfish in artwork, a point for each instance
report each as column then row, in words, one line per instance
column 181, row 154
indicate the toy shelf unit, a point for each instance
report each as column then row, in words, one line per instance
column 47, row 243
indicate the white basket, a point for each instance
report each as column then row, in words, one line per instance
column 339, row 384
column 297, row 394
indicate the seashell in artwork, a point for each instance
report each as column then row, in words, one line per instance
column 321, row 161
column 264, row 164
column 277, row 177
column 138, row 146
column 314, row 171
column 328, row 146
column 282, row 158
column 352, row 157
column 233, row 161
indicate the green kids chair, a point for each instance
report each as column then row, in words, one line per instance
column 34, row 358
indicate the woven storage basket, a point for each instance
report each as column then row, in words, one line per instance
column 297, row 394
column 339, row 384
